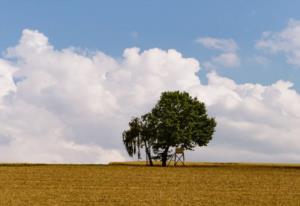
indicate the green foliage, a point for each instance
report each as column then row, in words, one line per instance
column 177, row 120
column 132, row 138
column 181, row 121
column 139, row 136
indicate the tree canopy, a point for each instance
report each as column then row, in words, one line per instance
column 177, row 120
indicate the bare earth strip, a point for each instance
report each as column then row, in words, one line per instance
column 195, row 184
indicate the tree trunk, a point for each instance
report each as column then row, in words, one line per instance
column 148, row 153
column 149, row 156
column 164, row 157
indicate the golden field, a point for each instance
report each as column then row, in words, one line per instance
column 134, row 184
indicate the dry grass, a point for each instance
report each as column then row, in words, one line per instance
column 197, row 184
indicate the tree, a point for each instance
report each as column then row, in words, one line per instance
column 180, row 121
column 177, row 120
column 138, row 136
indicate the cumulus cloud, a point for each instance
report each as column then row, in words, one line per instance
column 228, row 58
column 286, row 41
column 6, row 80
column 69, row 106
column 257, row 122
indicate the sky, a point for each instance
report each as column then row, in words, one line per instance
column 73, row 73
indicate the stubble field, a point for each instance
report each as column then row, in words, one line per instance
column 196, row 184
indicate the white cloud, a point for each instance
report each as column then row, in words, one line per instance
column 286, row 41
column 225, row 45
column 228, row 58
column 6, row 80
column 253, row 119
column 72, row 107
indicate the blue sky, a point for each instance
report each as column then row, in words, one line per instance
column 112, row 26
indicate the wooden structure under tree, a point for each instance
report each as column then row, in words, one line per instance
column 178, row 156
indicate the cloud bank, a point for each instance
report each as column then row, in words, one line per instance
column 72, row 106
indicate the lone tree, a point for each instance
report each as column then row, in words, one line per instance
column 177, row 120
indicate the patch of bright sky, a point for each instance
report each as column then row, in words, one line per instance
column 111, row 26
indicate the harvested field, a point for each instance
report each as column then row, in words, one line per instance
column 195, row 184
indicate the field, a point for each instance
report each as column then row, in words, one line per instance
column 133, row 184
